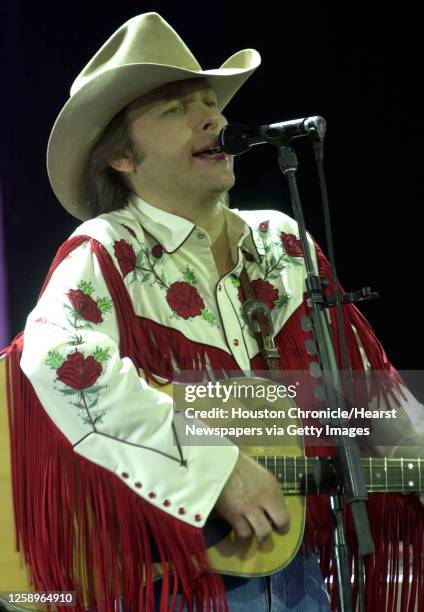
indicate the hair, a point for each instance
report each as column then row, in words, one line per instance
column 105, row 187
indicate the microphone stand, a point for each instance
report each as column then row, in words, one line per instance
column 348, row 454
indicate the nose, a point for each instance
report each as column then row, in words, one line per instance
column 212, row 120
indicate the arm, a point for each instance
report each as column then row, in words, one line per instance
column 103, row 406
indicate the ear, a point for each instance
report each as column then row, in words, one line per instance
column 123, row 164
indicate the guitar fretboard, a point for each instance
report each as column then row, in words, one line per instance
column 303, row 475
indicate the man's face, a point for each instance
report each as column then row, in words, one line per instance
column 170, row 125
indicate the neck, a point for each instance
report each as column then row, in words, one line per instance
column 206, row 213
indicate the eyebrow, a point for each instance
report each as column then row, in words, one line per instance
column 178, row 96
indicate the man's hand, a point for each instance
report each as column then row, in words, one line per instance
column 252, row 501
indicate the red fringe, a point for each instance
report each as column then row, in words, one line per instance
column 66, row 248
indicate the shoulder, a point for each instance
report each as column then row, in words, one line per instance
column 272, row 221
column 106, row 228
column 119, row 234
column 275, row 233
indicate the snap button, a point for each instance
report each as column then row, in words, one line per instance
column 236, row 342
column 124, row 474
column 200, row 235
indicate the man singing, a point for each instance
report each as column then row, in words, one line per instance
column 148, row 286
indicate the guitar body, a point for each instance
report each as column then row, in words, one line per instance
column 248, row 557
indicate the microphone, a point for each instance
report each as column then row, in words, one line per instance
column 236, row 138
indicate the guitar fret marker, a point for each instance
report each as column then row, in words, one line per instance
column 411, row 483
column 410, row 466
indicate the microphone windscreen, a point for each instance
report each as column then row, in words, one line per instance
column 232, row 139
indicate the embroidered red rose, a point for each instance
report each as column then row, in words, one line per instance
column 264, row 226
column 157, row 251
column 79, row 372
column 125, row 255
column 264, row 291
column 292, row 245
column 85, row 306
column 131, row 231
column 184, row 299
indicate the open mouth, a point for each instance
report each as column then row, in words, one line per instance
column 210, row 153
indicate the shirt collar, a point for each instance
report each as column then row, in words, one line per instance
column 171, row 231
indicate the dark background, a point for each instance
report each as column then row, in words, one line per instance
column 361, row 70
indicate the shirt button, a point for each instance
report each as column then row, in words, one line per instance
column 236, row 342
column 219, row 287
column 200, row 235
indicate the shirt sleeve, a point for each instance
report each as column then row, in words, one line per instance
column 102, row 403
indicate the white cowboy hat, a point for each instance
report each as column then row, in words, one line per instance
column 143, row 54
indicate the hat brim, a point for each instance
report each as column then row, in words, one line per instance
column 87, row 113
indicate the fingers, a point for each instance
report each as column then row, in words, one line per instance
column 278, row 517
column 242, row 527
column 260, row 524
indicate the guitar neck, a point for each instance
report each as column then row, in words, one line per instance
column 303, row 475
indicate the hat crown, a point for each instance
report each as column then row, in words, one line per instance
column 144, row 39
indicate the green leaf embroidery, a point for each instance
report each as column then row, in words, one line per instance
column 140, row 257
column 189, row 277
column 75, row 340
column 94, row 389
column 235, row 280
column 208, row 316
column 86, row 287
column 54, row 360
column 69, row 391
column 101, row 355
column 282, row 300
column 104, row 304
column 146, row 277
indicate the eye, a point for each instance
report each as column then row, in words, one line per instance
column 174, row 110
column 212, row 103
